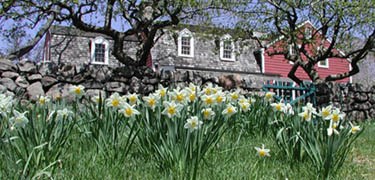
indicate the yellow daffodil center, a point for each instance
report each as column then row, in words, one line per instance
column 208, row 91
column 334, row 126
column 278, row 107
column 268, row 96
column 151, row 102
column 132, row 99
column 162, row 93
column 354, row 130
column 219, row 99
column 180, row 97
column 306, row 116
column 171, row 110
column 128, row 111
column 325, row 113
column 192, row 97
column 206, row 113
column 234, row 96
column 42, row 101
column 262, row 153
column 194, row 124
column 115, row 103
column 209, row 101
column 335, row 118
column 230, row 110
column 77, row 90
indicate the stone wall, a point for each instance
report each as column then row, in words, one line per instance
column 357, row 101
column 29, row 80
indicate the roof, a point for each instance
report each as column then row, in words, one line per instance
column 72, row 31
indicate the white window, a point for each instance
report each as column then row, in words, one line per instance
column 185, row 44
column 323, row 63
column 308, row 33
column 99, row 51
column 293, row 51
column 227, row 48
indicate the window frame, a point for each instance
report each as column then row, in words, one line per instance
column 290, row 49
column 223, row 40
column 326, row 65
column 102, row 41
column 185, row 33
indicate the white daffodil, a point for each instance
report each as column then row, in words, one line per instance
column 115, row 101
column 19, row 119
column 309, row 107
column 97, row 99
column 278, row 106
column 326, row 112
column 162, row 91
column 219, row 97
column 172, row 109
column 78, row 91
column 269, row 96
column 354, row 129
column 229, row 110
column 151, row 101
column 190, row 93
column 288, row 109
column 178, row 95
column 252, row 100
column 133, row 98
column 245, row 106
column 208, row 90
column 306, row 115
column 43, row 100
column 234, row 96
column 262, row 152
column 64, row 114
column 208, row 113
column 336, row 115
column 332, row 129
column 129, row 110
column 6, row 103
column 208, row 100
column 193, row 123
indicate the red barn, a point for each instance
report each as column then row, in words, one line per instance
column 272, row 63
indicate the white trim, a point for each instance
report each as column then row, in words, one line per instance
column 262, row 60
column 227, row 37
column 185, row 33
column 290, row 49
column 324, row 66
column 350, row 77
column 99, row 40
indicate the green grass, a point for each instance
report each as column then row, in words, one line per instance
column 228, row 160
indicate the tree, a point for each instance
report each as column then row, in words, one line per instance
column 340, row 21
column 117, row 19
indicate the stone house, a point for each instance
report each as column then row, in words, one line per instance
column 179, row 48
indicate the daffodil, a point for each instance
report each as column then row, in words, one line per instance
column 326, row 112
column 208, row 100
column 43, row 100
column 336, row 115
column 133, row 98
column 64, row 114
column 306, row 115
column 193, row 123
column 190, row 94
column 245, row 106
column 129, row 110
column 208, row 90
column 151, row 101
column 162, row 91
column 269, row 96
column 208, row 113
column 78, row 91
column 219, row 97
column 252, row 100
column 234, row 96
column 288, row 109
column 178, row 95
column 354, row 129
column 172, row 109
column 262, row 152
column 278, row 106
column 332, row 129
column 6, row 103
column 309, row 107
column 115, row 101
column 229, row 110
column 19, row 119
column 97, row 99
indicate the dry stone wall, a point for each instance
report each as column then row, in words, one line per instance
column 357, row 101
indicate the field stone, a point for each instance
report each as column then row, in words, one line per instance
column 22, row 82
column 34, row 77
column 35, row 90
column 2, row 88
column 8, row 83
column 48, row 81
column 7, row 65
column 27, row 66
column 10, row 74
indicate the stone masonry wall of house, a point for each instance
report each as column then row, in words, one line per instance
column 76, row 50
column 206, row 54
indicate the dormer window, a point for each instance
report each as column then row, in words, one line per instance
column 308, row 33
column 227, row 48
column 323, row 63
column 185, row 44
column 99, row 51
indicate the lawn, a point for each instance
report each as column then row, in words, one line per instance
column 188, row 133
